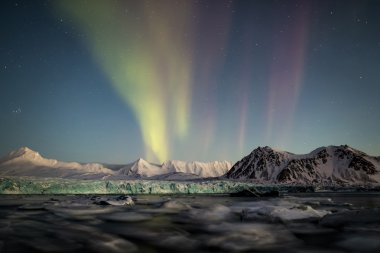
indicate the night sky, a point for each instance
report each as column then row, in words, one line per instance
column 112, row 81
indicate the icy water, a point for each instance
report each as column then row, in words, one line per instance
column 299, row 223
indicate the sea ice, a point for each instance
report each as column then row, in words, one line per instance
column 214, row 213
column 283, row 210
column 243, row 237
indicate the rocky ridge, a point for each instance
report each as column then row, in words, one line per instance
column 332, row 164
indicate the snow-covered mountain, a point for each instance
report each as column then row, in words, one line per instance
column 142, row 168
column 332, row 164
column 26, row 162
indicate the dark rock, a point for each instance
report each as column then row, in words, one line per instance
column 360, row 163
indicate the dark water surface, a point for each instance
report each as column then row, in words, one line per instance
column 317, row 222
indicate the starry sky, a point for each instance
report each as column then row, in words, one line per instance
column 111, row 81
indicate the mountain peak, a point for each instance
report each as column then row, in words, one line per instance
column 347, row 147
column 141, row 163
column 140, row 160
column 23, row 152
column 267, row 149
column 339, row 149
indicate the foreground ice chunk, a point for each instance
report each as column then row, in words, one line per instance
column 174, row 204
column 117, row 245
column 80, row 212
column 119, row 201
column 244, row 237
column 293, row 213
column 127, row 202
column 215, row 213
column 279, row 209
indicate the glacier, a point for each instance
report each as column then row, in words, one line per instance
column 34, row 185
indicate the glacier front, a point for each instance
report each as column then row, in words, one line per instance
column 33, row 185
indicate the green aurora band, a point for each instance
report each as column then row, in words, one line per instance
column 143, row 50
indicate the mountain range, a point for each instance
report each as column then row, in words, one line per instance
column 26, row 162
column 332, row 164
column 325, row 165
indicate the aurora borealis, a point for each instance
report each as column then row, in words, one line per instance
column 192, row 80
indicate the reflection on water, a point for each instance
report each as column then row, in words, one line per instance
column 298, row 223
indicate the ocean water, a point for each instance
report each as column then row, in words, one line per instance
column 316, row 222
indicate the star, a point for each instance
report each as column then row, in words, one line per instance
column 17, row 111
